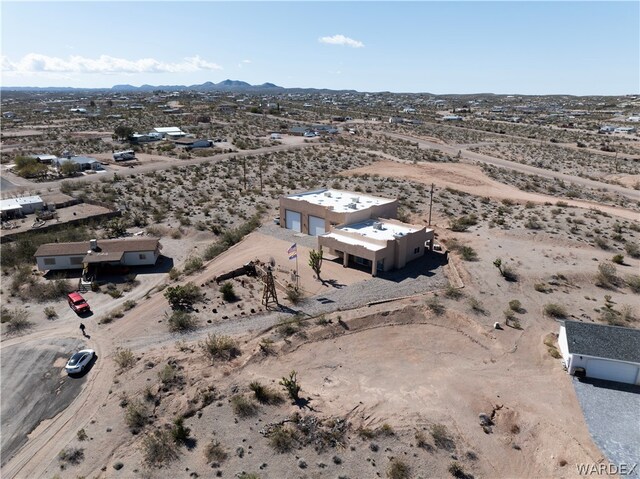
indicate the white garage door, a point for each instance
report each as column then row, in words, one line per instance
column 316, row 226
column 293, row 220
column 611, row 370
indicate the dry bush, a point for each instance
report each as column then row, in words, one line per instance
column 182, row 322
column 435, row 306
column 71, row 455
column 555, row 310
column 283, row 439
column 215, row 453
column 477, row 306
column 158, row 448
column 633, row 281
column 607, row 276
column 441, row 437
column 220, row 347
column 17, row 320
column 243, row 407
column 398, row 469
column 136, row 416
column 124, row 358
column 452, row 292
column 265, row 394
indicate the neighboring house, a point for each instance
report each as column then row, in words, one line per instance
column 82, row 163
column 298, row 130
column 170, row 132
column 16, row 207
column 598, row 351
column 227, row 109
column 634, row 118
column 314, row 212
column 607, row 129
column 145, row 137
column 381, row 244
column 48, row 159
column 395, row 119
column 452, row 118
column 193, row 143
column 625, row 129
column 78, row 110
column 94, row 253
column 8, row 114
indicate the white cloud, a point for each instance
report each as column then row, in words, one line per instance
column 36, row 63
column 341, row 40
column 244, row 62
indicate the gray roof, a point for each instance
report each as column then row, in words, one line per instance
column 598, row 340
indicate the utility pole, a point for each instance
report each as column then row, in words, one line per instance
column 431, row 203
column 244, row 172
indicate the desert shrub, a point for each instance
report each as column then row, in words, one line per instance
column 183, row 297
column 477, row 306
column 462, row 223
column 421, row 440
column 555, row 310
column 231, row 237
column 179, row 431
column 618, row 259
column 71, row 455
column 220, row 347
column 243, row 407
column 158, row 448
column 136, row 416
column 516, row 305
column 441, row 437
column 533, row 224
column 291, row 385
column 283, row 438
column 366, row 433
column 294, row 295
column 50, row 312
column 169, row 375
column 435, row 306
column 602, row 242
column 228, row 293
column 114, row 293
column 129, row 304
column 633, row 281
column 124, row 358
column 468, row 253
column 17, row 320
column 385, row 430
column 181, row 322
column 509, row 273
column 456, row 470
column 287, row 327
column 398, row 469
column 265, row 394
column 632, row 248
column 452, row 292
column 248, row 475
column 607, row 276
column 541, row 288
column 82, row 435
column 214, row 452
column 174, row 274
column 192, row 265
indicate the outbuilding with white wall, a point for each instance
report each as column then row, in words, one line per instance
column 598, row 351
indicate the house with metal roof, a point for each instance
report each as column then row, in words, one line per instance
column 600, row 351
column 170, row 132
column 92, row 254
column 82, row 163
column 15, row 207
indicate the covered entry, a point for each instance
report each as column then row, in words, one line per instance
column 316, row 226
column 293, row 220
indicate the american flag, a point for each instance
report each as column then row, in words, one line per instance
column 293, row 251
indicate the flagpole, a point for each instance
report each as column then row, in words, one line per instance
column 297, row 276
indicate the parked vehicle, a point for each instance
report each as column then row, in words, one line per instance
column 124, row 155
column 79, row 361
column 78, row 303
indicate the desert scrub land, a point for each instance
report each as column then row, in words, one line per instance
column 556, row 187
column 573, row 162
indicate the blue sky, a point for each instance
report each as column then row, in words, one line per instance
column 437, row 47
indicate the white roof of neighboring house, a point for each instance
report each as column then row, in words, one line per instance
column 168, row 129
column 45, row 157
column 340, row 201
column 16, row 203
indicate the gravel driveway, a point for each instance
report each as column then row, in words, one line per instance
column 612, row 414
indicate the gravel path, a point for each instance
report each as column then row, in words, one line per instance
column 272, row 229
column 611, row 412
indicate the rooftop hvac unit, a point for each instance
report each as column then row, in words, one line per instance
column 377, row 226
column 353, row 206
column 356, row 199
column 327, row 194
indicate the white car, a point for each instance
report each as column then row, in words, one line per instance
column 79, row 361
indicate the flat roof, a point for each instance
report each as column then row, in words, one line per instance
column 602, row 341
column 354, row 241
column 378, row 229
column 339, row 200
column 168, row 129
column 15, row 203
column 78, row 160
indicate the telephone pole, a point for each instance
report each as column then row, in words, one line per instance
column 431, row 203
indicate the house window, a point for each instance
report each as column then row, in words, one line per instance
column 417, row 250
column 49, row 261
column 75, row 260
column 142, row 256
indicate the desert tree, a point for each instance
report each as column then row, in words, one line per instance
column 315, row 261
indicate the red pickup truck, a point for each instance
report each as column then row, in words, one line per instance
column 78, row 303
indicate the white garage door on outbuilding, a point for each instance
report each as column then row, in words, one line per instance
column 316, row 226
column 612, row 371
column 293, row 220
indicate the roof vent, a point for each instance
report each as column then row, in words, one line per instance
column 356, row 199
column 377, row 225
column 353, row 206
column 93, row 244
column 327, row 194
